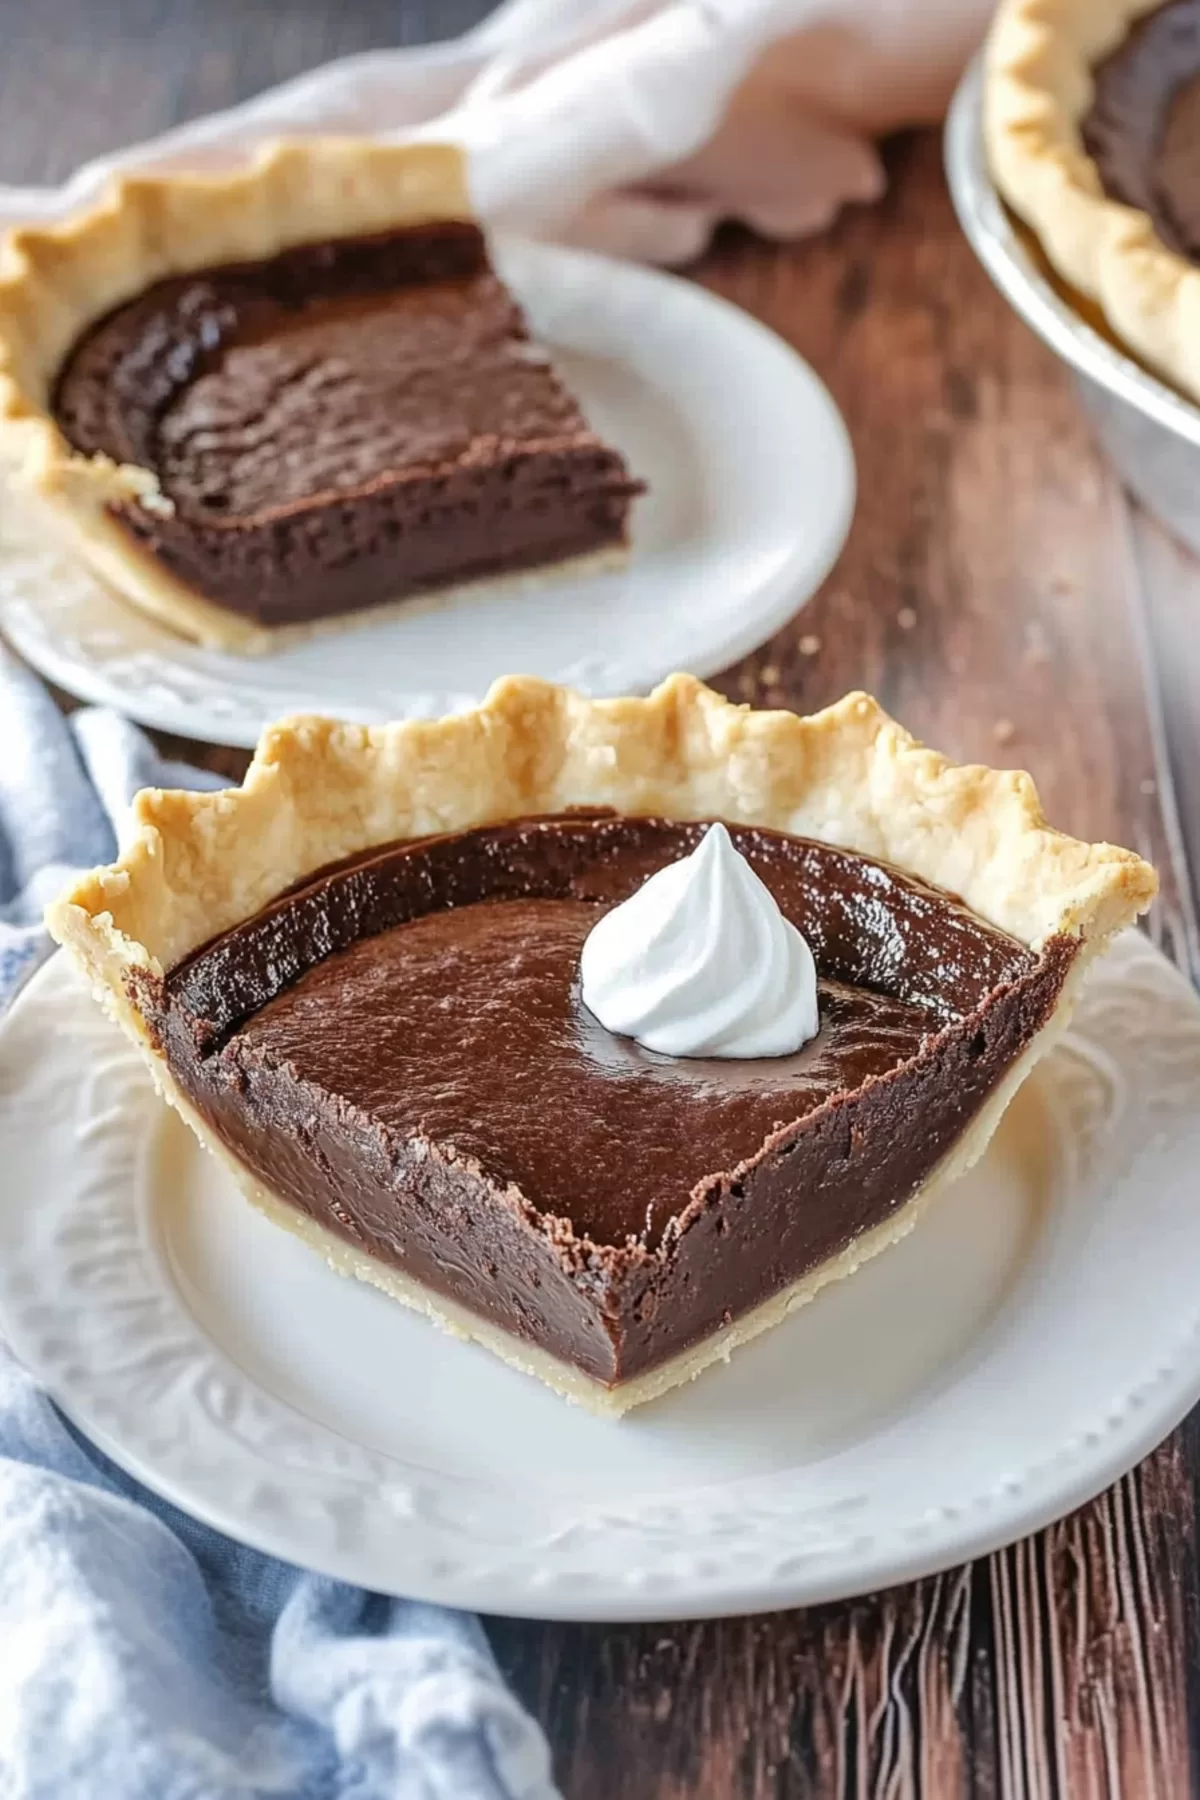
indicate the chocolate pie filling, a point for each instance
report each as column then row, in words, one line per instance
column 1143, row 127
column 342, row 425
column 400, row 1050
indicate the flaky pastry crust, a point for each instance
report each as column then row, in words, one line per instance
column 1038, row 89
column 55, row 280
column 197, row 864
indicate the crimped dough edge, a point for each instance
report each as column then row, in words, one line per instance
column 1038, row 87
column 317, row 791
column 57, row 279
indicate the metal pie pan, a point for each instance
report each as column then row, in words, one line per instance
column 1149, row 430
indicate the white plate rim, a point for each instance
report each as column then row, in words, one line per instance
column 206, row 705
column 1154, row 1401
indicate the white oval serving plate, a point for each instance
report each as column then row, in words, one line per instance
column 1036, row 1334
column 751, row 492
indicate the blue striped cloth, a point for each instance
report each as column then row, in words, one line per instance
column 143, row 1656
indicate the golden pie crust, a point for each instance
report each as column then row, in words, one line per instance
column 1037, row 91
column 317, row 792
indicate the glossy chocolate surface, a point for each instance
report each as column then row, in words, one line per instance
column 1143, row 127
column 400, row 1049
column 343, row 424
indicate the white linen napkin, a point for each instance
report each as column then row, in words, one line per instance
column 631, row 125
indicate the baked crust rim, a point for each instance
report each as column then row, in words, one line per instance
column 1037, row 89
column 318, row 791
column 55, row 280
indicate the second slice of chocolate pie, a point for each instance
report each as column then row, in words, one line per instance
column 271, row 400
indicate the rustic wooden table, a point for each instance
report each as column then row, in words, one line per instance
column 1003, row 596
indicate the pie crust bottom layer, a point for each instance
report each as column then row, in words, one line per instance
column 210, row 624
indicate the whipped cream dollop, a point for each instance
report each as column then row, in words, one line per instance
column 701, row 962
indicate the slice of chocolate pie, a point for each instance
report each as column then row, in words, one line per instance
column 359, row 978
column 268, row 401
column 1092, row 114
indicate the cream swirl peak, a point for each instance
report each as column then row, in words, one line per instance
column 701, row 962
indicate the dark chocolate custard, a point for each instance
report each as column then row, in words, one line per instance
column 1143, row 127
column 399, row 1050
column 343, row 425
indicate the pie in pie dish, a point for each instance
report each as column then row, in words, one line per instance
column 1092, row 118
column 260, row 402
column 358, row 979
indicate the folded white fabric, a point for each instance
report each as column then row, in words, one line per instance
column 631, row 125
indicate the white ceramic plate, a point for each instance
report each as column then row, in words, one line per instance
column 751, row 493
column 1036, row 1335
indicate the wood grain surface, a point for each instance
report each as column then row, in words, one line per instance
column 1003, row 596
